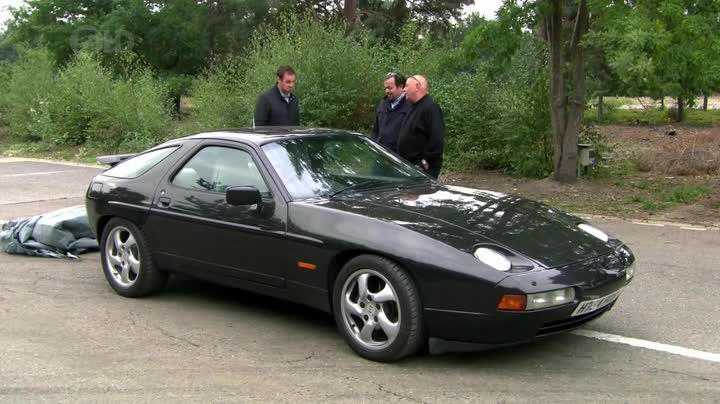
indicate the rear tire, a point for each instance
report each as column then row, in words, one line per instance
column 377, row 309
column 127, row 260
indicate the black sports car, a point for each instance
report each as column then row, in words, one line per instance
column 329, row 219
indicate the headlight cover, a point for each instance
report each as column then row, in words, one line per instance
column 493, row 258
column 594, row 231
column 558, row 297
column 630, row 271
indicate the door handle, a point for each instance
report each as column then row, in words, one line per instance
column 164, row 202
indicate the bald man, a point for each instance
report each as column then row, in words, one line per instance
column 421, row 139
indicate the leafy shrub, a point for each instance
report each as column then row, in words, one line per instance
column 339, row 77
column 26, row 93
column 84, row 103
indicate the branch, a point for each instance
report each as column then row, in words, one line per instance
column 579, row 26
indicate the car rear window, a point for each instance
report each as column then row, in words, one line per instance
column 140, row 164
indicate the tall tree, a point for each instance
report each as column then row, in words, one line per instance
column 564, row 25
column 664, row 47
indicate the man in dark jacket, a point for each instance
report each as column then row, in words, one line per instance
column 278, row 106
column 391, row 112
column 422, row 136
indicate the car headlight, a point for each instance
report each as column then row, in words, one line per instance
column 594, row 231
column 493, row 258
column 548, row 299
column 630, row 271
column 535, row 301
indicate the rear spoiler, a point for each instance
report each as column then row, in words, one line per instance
column 114, row 159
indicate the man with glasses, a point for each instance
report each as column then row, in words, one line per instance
column 391, row 112
column 422, row 136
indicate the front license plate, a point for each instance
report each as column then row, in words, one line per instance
column 595, row 304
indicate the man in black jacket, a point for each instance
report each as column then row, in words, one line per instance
column 278, row 106
column 391, row 112
column 422, row 136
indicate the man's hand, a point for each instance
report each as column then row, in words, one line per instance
column 424, row 165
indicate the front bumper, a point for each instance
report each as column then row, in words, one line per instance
column 498, row 328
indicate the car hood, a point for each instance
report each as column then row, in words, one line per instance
column 549, row 237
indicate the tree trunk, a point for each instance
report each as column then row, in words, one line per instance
column 681, row 109
column 662, row 103
column 211, row 32
column 600, row 108
column 350, row 14
column 705, row 102
column 566, row 119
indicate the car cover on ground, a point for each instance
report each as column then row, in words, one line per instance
column 59, row 234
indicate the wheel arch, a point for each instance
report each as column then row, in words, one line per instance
column 340, row 259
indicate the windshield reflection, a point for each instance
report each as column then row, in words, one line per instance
column 319, row 166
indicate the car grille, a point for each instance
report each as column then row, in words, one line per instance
column 570, row 323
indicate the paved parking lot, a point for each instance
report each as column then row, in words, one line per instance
column 65, row 336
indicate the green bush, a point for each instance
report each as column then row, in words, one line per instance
column 26, row 93
column 84, row 104
column 501, row 125
column 339, row 77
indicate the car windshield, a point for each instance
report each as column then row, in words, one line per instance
column 320, row 166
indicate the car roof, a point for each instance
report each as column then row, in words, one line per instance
column 267, row 134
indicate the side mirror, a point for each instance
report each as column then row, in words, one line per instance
column 238, row 196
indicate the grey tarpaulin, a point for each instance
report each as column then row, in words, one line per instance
column 59, row 234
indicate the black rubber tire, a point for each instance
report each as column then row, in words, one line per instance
column 412, row 335
column 150, row 279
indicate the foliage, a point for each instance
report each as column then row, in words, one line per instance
column 686, row 194
column 27, row 90
column 339, row 77
column 662, row 47
column 502, row 124
column 84, row 104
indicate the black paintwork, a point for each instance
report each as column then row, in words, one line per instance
column 430, row 229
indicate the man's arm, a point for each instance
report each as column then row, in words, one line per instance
column 262, row 111
column 375, row 130
column 436, row 135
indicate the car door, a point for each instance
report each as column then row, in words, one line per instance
column 193, row 229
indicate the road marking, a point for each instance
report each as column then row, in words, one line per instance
column 649, row 224
column 40, row 200
column 37, row 173
column 59, row 162
column 656, row 346
column 694, row 228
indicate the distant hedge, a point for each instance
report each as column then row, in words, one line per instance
column 83, row 103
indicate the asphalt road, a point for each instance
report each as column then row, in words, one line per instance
column 65, row 336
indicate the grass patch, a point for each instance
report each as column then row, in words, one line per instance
column 612, row 169
column 80, row 154
column 653, row 117
column 709, row 118
column 686, row 194
column 657, row 196
column 618, row 116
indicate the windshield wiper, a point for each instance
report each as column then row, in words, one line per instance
column 361, row 184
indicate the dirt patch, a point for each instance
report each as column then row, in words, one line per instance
column 612, row 197
column 684, row 160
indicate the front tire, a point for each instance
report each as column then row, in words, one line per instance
column 377, row 309
column 127, row 261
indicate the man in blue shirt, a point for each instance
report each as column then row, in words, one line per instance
column 391, row 112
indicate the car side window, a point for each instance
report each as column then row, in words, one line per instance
column 216, row 168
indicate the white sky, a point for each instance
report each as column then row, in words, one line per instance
column 486, row 8
column 4, row 13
